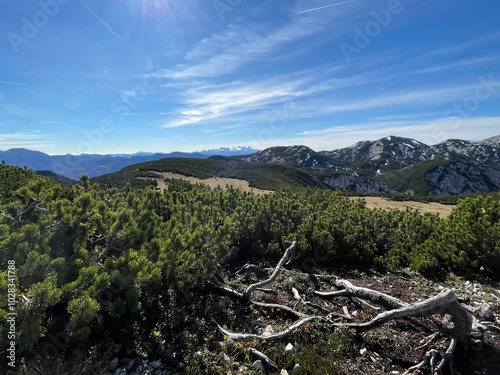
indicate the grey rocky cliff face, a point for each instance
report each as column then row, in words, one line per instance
column 358, row 184
column 463, row 179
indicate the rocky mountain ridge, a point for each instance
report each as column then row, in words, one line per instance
column 459, row 178
column 388, row 153
column 452, row 167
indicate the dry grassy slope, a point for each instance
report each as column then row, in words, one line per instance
column 442, row 210
column 371, row 202
column 211, row 182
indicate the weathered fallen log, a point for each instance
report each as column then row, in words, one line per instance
column 350, row 290
column 286, row 259
column 466, row 328
column 269, row 337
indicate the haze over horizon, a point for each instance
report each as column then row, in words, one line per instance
column 235, row 150
column 105, row 77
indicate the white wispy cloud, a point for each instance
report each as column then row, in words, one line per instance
column 464, row 46
column 465, row 63
column 51, row 122
column 223, row 53
column 14, row 140
column 13, row 83
column 364, row 99
column 212, row 102
column 328, row 90
column 382, row 82
column 13, row 108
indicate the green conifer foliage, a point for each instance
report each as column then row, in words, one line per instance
column 130, row 267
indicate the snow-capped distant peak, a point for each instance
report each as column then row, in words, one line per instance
column 230, row 151
column 493, row 141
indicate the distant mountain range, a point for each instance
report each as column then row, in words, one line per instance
column 405, row 165
column 388, row 153
column 72, row 166
column 388, row 165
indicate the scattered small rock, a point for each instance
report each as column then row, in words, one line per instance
column 142, row 366
column 363, row 351
column 113, row 365
column 485, row 312
column 296, row 367
column 289, row 349
column 259, row 365
column 155, row 364
column 268, row 331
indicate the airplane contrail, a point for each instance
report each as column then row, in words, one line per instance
column 326, row 6
column 109, row 28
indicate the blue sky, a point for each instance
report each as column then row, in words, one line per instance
column 108, row 76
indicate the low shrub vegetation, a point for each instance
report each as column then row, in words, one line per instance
column 128, row 268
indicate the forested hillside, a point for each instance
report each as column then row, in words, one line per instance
column 103, row 272
column 262, row 176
